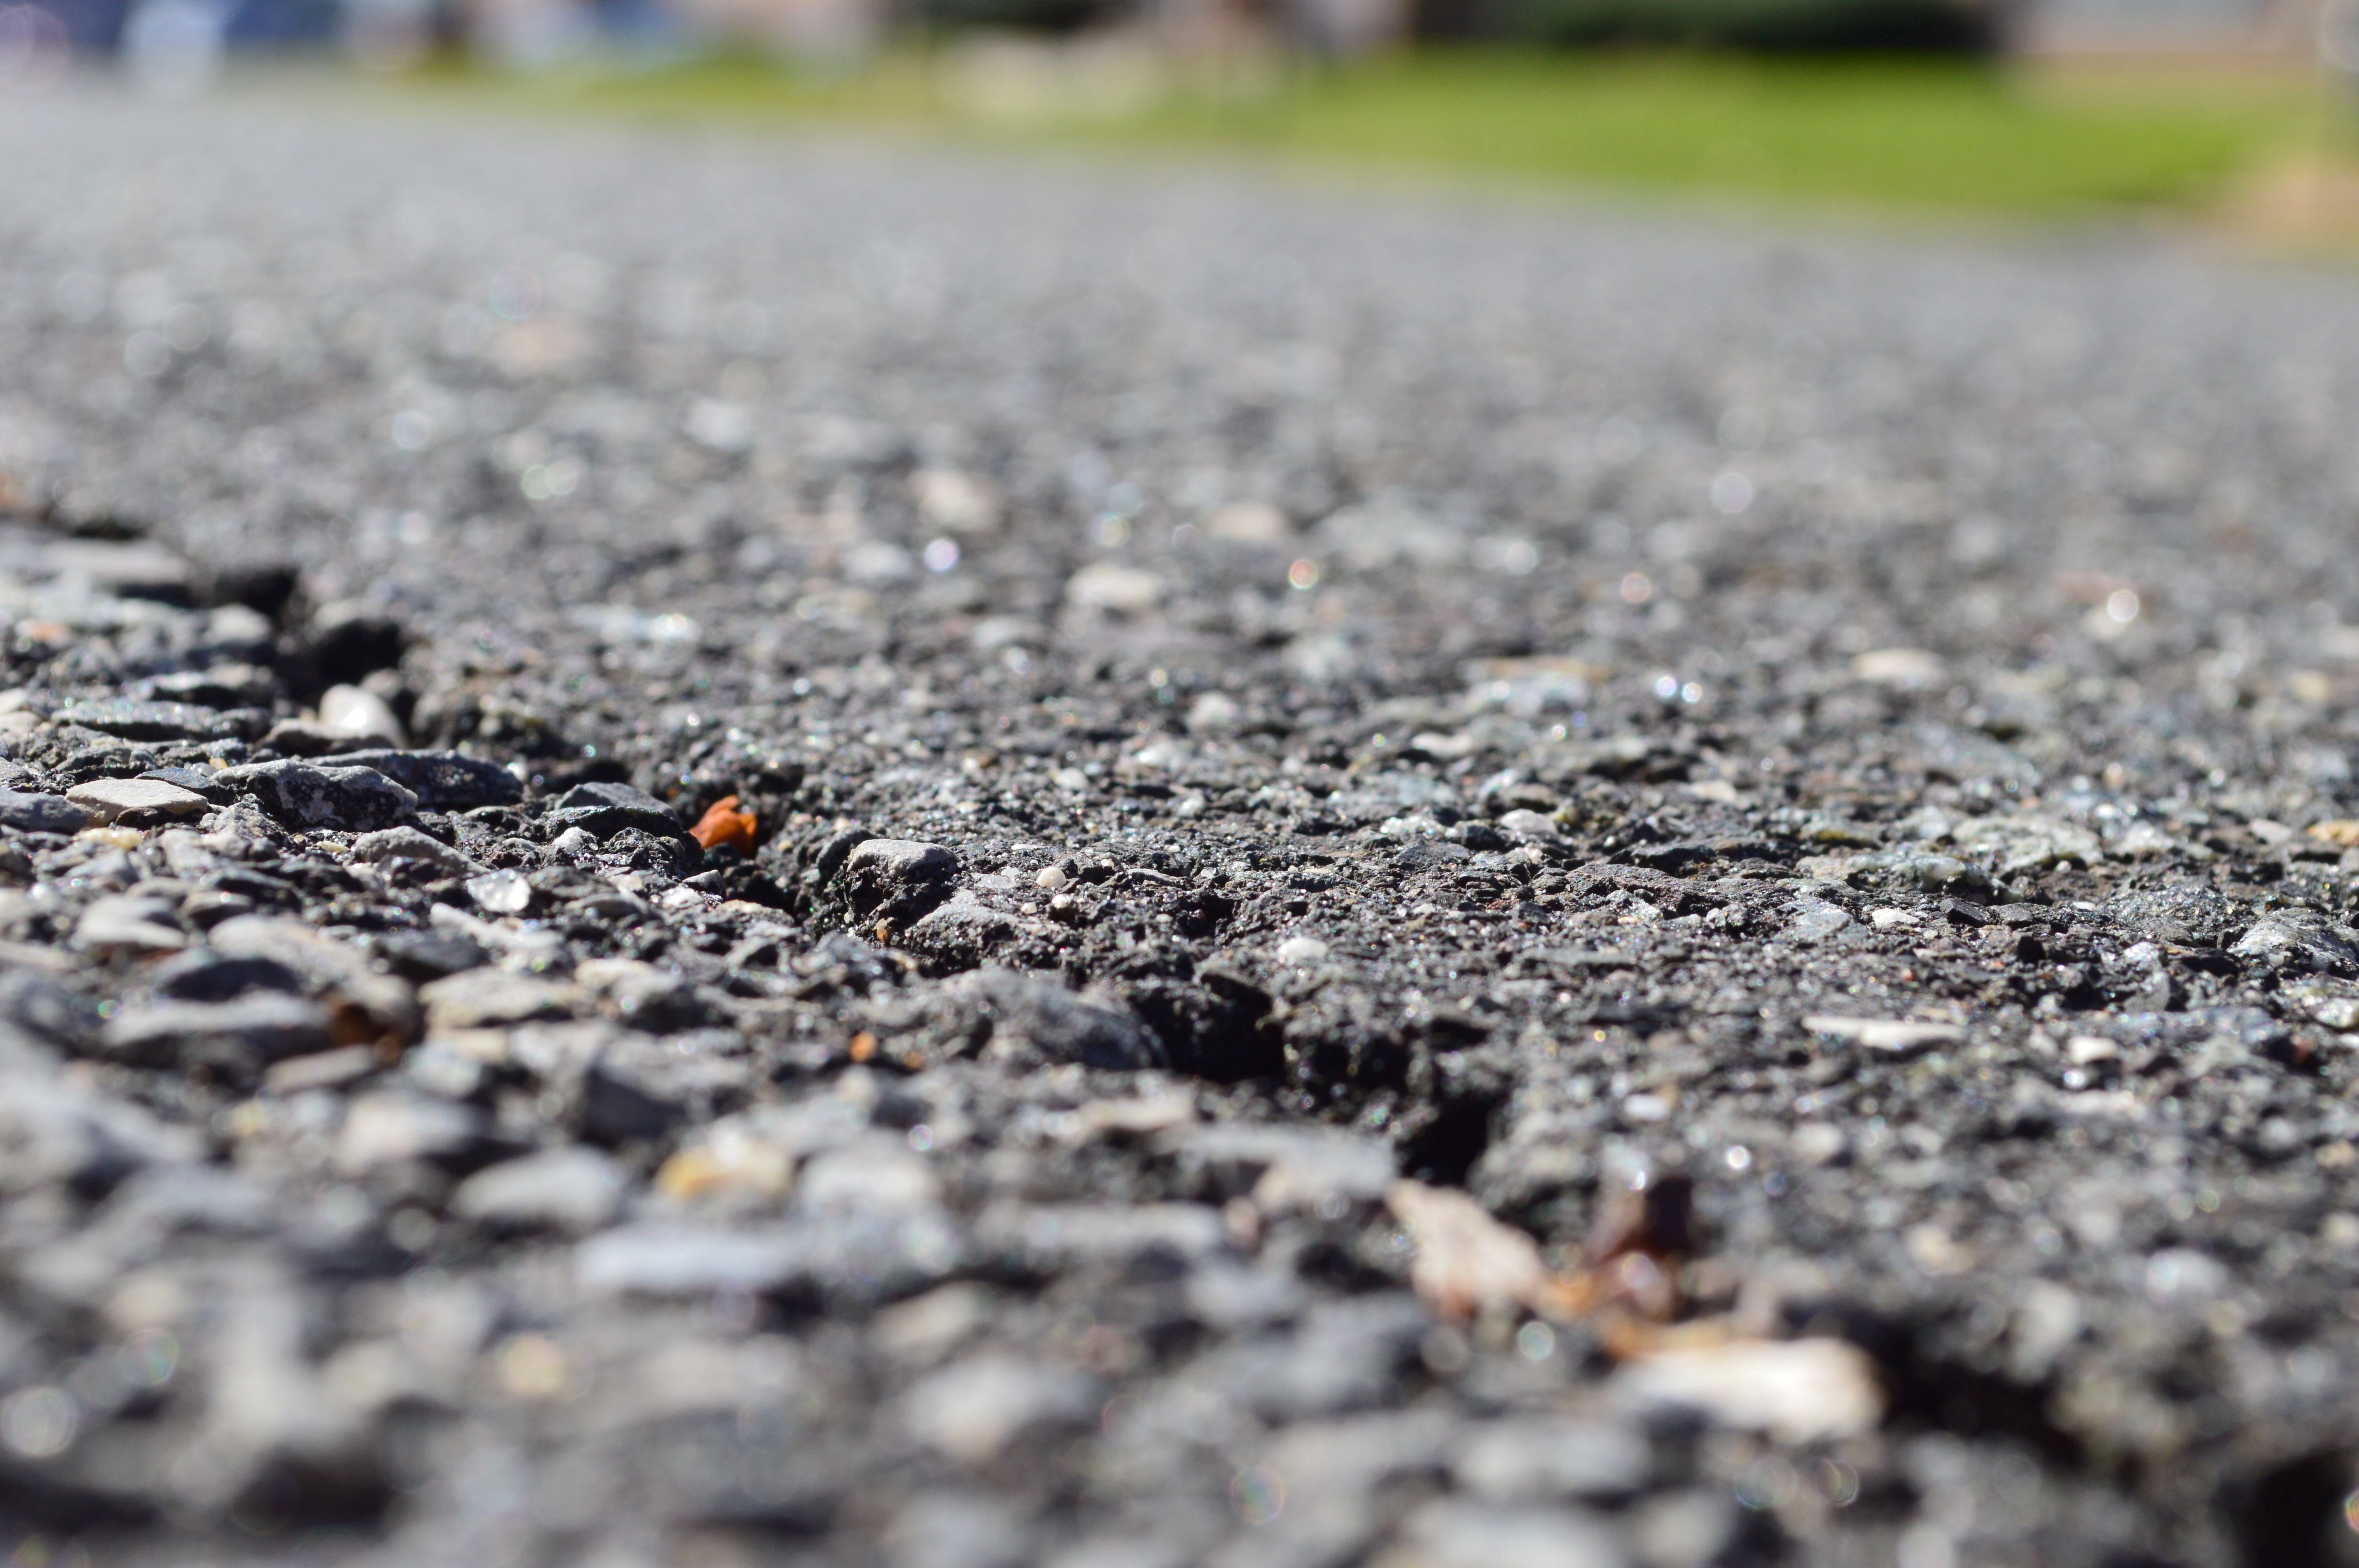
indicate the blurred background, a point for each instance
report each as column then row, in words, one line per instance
column 2230, row 116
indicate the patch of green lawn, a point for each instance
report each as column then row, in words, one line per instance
column 1907, row 134
column 1912, row 134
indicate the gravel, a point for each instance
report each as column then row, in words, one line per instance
column 1432, row 881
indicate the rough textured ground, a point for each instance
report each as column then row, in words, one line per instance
column 1557, row 890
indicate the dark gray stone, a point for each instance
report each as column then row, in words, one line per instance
column 205, row 782
column 1025, row 1017
column 235, row 1038
column 202, row 975
column 442, row 781
column 1432, row 854
column 305, row 795
column 135, row 720
column 40, row 813
column 2301, row 939
column 602, row 810
column 897, row 879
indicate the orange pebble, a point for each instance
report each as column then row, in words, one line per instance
column 722, row 823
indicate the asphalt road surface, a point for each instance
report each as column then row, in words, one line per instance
column 1421, row 882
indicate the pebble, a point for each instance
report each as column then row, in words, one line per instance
column 895, row 878
column 672, row 1260
column 1463, row 1262
column 395, row 1128
column 1884, row 1034
column 602, row 810
column 33, row 812
column 1031, row 1018
column 302, row 794
column 2303, row 939
column 408, row 844
column 130, row 921
column 1532, row 1458
column 112, row 800
column 489, row 998
column 238, row 1038
column 352, row 713
column 1815, row 920
column 501, row 892
column 2029, row 842
column 336, row 1069
column 1214, row 713
column 1796, row 1390
column 732, row 1159
column 1109, row 585
column 1456, row 1533
column 327, row 964
column 1530, row 826
column 1912, row 668
column 133, row 719
column 1300, row 951
column 573, row 1191
column 972, row 1411
column 442, row 781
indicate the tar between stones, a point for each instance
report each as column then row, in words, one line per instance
column 1860, row 984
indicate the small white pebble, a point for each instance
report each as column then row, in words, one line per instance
column 1302, row 951
column 2083, row 1049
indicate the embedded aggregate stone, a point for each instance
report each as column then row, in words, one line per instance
column 442, row 781
column 305, row 795
column 135, row 720
column 1334, row 946
column 895, row 878
column 408, row 844
column 32, row 812
column 240, row 1036
column 572, row 1190
column 149, row 799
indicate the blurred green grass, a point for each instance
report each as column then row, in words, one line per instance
column 1894, row 135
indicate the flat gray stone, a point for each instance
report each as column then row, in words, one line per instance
column 408, row 844
column 133, row 719
column 111, row 800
